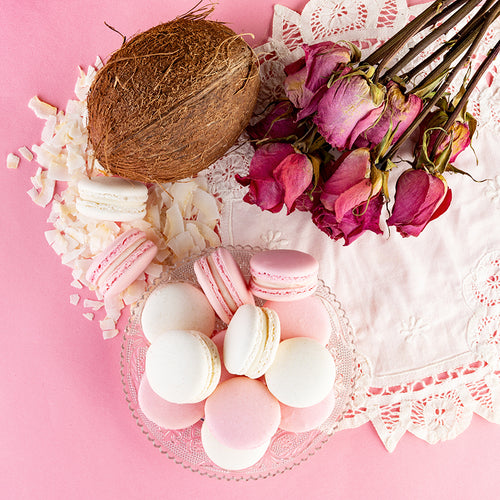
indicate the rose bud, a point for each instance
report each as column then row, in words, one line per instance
column 277, row 176
column 399, row 113
column 312, row 72
column 420, row 198
column 351, row 105
column 350, row 201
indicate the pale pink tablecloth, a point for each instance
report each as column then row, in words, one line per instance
column 66, row 431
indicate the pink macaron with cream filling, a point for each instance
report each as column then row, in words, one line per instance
column 121, row 263
column 221, row 279
column 282, row 275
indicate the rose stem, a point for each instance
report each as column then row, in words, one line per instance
column 401, row 43
column 456, row 50
column 492, row 54
column 432, row 36
column 467, row 33
column 413, row 27
column 441, row 90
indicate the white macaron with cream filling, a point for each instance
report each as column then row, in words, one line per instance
column 112, row 198
column 251, row 341
column 183, row 366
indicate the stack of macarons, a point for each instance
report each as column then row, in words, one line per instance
column 119, row 200
column 268, row 369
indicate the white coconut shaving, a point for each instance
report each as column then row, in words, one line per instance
column 12, row 161
column 181, row 217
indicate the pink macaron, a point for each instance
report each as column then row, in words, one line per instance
column 282, row 275
column 242, row 414
column 306, row 317
column 164, row 413
column 221, row 279
column 121, row 263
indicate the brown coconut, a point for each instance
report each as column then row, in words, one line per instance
column 172, row 100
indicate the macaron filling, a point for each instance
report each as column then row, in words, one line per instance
column 267, row 350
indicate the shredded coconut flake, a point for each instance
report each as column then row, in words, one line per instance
column 26, row 153
column 41, row 109
column 74, row 299
column 12, row 161
column 92, row 304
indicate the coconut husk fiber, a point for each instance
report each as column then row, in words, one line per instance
column 172, row 100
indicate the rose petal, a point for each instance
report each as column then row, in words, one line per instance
column 294, row 174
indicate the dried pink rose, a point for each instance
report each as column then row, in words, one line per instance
column 277, row 177
column 349, row 203
column 350, row 184
column 399, row 112
column 311, row 73
column 420, row 198
column 364, row 217
column 350, row 106
column 461, row 140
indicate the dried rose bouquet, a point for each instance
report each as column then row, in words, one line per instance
column 330, row 146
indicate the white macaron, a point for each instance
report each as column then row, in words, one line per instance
column 302, row 374
column 251, row 341
column 176, row 306
column 112, row 198
column 183, row 366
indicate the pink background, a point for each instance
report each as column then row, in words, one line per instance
column 66, row 431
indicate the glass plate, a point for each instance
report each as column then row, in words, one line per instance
column 287, row 449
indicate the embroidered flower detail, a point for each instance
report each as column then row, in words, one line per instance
column 413, row 328
column 441, row 416
column 274, row 239
column 482, row 285
column 493, row 191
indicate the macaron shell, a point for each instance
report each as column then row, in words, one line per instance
column 309, row 418
column 307, row 317
column 242, row 414
column 165, row 414
column 229, row 458
column 302, row 374
column 183, row 366
column 176, row 306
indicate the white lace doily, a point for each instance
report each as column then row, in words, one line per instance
column 426, row 310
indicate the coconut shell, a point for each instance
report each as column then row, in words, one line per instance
column 172, row 100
